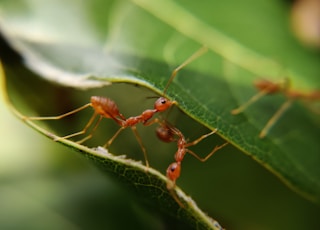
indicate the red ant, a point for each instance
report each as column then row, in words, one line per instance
column 107, row 108
column 167, row 133
column 266, row 87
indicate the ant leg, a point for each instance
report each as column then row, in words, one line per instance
column 60, row 116
column 253, row 99
column 83, row 131
column 114, row 137
column 134, row 129
column 209, row 155
column 175, row 195
column 156, row 120
column 275, row 118
column 92, row 131
column 194, row 56
column 200, row 138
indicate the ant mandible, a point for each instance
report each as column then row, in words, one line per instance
column 266, row 87
column 168, row 133
column 107, row 108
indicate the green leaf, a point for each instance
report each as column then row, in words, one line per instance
column 130, row 41
column 145, row 181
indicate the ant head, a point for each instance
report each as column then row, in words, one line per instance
column 163, row 104
column 173, row 171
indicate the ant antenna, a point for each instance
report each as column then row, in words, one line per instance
column 151, row 97
column 194, row 56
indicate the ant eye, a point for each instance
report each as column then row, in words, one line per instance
column 162, row 104
column 164, row 101
column 173, row 168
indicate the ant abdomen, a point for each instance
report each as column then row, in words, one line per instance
column 106, row 107
column 165, row 134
